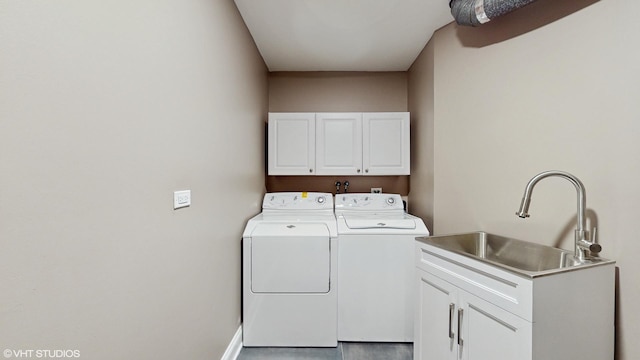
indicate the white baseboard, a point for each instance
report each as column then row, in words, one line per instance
column 233, row 350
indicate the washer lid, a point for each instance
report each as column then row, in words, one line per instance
column 381, row 223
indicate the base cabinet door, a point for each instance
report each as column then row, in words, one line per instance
column 488, row 332
column 435, row 327
column 453, row 324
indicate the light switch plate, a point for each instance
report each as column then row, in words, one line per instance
column 181, row 199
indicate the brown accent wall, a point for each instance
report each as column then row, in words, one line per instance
column 389, row 184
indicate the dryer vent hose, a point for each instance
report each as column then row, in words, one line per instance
column 478, row 12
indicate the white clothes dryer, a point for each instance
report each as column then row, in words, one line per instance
column 289, row 272
column 376, row 287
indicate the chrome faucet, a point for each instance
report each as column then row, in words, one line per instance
column 583, row 247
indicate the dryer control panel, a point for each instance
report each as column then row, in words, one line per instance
column 298, row 201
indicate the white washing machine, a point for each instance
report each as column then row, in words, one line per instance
column 289, row 272
column 376, row 295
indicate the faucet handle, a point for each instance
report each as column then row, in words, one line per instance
column 588, row 245
column 595, row 247
column 592, row 246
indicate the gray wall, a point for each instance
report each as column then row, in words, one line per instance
column 552, row 86
column 106, row 108
column 421, row 91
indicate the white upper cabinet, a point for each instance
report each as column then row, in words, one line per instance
column 341, row 143
column 291, row 148
column 386, row 140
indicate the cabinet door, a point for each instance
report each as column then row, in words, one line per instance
column 435, row 327
column 339, row 143
column 386, row 144
column 291, row 144
column 490, row 332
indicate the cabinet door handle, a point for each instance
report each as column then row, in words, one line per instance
column 310, row 170
column 452, row 306
column 460, row 341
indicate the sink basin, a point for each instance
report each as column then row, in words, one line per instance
column 521, row 257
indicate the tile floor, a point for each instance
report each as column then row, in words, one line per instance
column 344, row 351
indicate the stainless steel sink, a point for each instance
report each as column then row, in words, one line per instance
column 522, row 257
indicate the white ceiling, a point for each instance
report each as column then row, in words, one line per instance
column 342, row 35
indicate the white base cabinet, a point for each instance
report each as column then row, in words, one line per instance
column 468, row 328
column 469, row 310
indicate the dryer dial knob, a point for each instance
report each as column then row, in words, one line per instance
column 391, row 201
column 320, row 199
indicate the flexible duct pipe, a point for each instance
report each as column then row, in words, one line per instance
column 478, row 12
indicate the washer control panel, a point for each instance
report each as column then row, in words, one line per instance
column 298, row 201
column 368, row 202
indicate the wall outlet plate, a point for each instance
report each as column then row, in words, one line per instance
column 376, row 190
column 181, row 199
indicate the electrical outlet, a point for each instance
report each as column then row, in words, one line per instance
column 181, row 199
column 376, row 190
